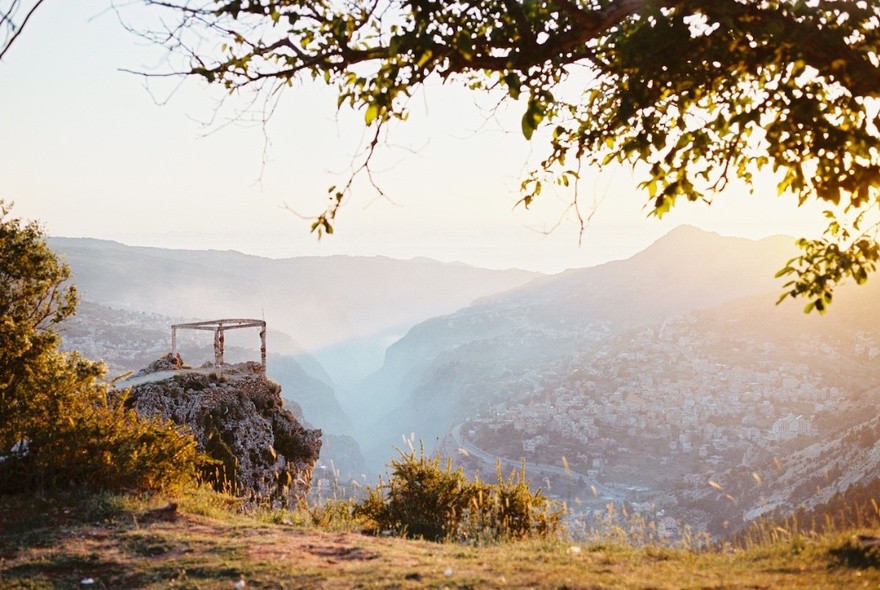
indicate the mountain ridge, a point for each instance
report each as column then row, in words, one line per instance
column 558, row 299
column 341, row 309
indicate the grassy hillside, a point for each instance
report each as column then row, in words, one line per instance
column 114, row 542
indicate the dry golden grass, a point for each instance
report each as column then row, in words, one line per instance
column 197, row 543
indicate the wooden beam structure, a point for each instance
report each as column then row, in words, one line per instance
column 219, row 327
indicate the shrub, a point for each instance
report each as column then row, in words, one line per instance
column 90, row 443
column 425, row 498
column 57, row 427
column 509, row 509
column 421, row 499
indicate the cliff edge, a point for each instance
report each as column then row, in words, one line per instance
column 259, row 449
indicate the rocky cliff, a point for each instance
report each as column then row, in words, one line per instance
column 259, row 450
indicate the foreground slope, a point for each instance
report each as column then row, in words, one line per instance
column 52, row 544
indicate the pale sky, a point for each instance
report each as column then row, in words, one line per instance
column 86, row 149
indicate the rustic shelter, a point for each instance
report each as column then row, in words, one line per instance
column 219, row 327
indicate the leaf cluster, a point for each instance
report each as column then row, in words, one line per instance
column 425, row 498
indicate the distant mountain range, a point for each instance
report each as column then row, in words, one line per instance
column 343, row 310
column 648, row 377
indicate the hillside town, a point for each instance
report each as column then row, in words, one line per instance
column 688, row 398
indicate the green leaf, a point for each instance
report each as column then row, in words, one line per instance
column 425, row 57
column 372, row 113
column 532, row 118
column 663, row 205
column 513, row 85
column 528, row 125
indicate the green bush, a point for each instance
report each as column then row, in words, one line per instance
column 91, row 443
column 509, row 509
column 425, row 498
column 57, row 427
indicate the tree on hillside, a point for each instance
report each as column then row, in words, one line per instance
column 690, row 92
column 57, row 426
column 34, row 297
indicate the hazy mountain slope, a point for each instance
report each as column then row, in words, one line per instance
column 344, row 310
column 686, row 269
column 124, row 340
column 317, row 398
column 429, row 375
column 838, row 351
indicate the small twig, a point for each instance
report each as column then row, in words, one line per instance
column 20, row 28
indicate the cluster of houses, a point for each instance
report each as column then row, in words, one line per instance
column 666, row 388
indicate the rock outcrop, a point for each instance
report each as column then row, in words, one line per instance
column 260, row 450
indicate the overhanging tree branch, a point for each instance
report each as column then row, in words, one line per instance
column 695, row 91
column 7, row 19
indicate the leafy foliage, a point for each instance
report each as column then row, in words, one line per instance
column 424, row 499
column 97, row 446
column 690, row 92
column 421, row 500
column 57, row 427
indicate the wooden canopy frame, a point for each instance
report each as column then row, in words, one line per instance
column 219, row 327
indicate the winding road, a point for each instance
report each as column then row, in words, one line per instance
column 604, row 492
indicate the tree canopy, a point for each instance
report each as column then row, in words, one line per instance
column 690, row 92
column 34, row 297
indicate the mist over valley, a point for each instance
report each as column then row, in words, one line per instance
column 668, row 381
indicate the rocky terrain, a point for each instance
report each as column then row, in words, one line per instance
column 260, row 450
column 127, row 340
